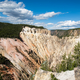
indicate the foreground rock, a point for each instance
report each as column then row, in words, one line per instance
column 46, row 75
column 21, row 56
column 25, row 57
column 42, row 75
column 77, row 73
column 67, row 75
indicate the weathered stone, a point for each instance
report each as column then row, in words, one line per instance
column 77, row 73
column 67, row 75
column 46, row 46
column 46, row 75
column 20, row 55
column 38, row 46
column 42, row 75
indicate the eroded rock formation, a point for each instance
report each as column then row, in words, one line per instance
column 47, row 46
column 21, row 56
column 47, row 75
column 26, row 56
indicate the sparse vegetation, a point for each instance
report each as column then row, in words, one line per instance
column 70, row 62
column 53, row 77
column 77, row 54
column 45, row 66
column 66, row 64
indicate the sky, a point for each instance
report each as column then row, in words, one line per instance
column 51, row 14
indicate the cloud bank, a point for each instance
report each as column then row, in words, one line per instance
column 61, row 25
column 46, row 15
column 17, row 13
column 13, row 9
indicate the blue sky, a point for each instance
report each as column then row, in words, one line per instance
column 51, row 14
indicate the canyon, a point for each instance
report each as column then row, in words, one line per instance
column 25, row 56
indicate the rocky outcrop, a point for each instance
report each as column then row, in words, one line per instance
column 67, row 75
column 77, row 73
column 21, row 56
column 10, row 73
column 42, row 75
column 47, row 75
column 47, row 46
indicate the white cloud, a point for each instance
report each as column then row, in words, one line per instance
column 50, row 23
column 16, row 13
column 60, row 25
column 46, row 15
column 15, row 20
column 40, row 24
column 13, row 9
column 66, row 25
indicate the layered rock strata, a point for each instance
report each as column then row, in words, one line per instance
column 21, row 56
column 26, row 56
column 47, row 46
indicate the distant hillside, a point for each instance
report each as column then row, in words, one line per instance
column 13, row 30
column 64, row 33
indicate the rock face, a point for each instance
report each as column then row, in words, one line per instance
column 20, row 59
column 45, row 45
column 77, row 73
column 9, row 73
column 67, row 75
column 61, row 33
column 46, row 75
column 42, row 75
column 21, row 56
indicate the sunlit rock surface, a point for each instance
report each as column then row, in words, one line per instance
column 77, row 73
column 42, row 75
column 47, row 46
column 46, row 75
column 26, row 56
column 20, row 55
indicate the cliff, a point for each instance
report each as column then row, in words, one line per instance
column 66, row 33
column 20, row 59
column 47, row 46
column 24, row 60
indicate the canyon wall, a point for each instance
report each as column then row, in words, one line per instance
column 47, row 46
column 22, row 58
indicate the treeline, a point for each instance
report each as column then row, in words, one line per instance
column 8, row 30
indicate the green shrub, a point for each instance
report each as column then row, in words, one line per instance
column 77, row 54
column 53, row 77
column 66, row 64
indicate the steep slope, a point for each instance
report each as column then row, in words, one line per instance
column 47, row 46
column 20, row 59
column 24, row 60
